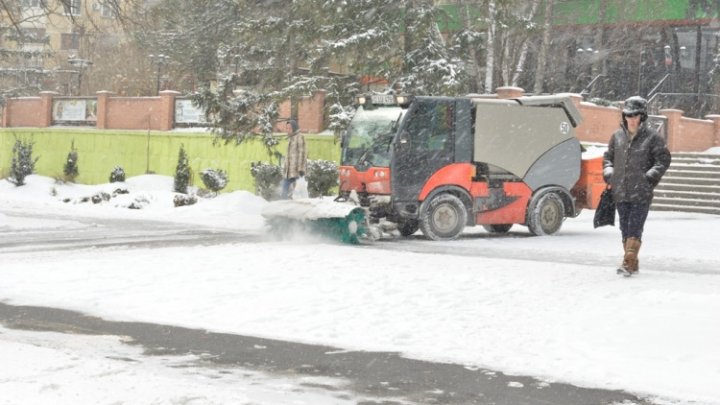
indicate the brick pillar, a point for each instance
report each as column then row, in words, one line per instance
column 167, row 109
column 284, row 112
column 509, row 92
column 310, row 112
column 102, row 108
column 6, row 113
column 673, row 122
column 46, row 106
column 716, row 128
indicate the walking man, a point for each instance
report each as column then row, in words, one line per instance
column 634, row 163
column 295, row 160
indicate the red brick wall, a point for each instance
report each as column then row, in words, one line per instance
column 133, row 113
column 598, row 123
column 695, row 134
column 310, row 113
column 23, row 112
column 157, row 113
column 284, row 112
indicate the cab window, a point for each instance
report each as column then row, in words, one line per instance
column 431, row 126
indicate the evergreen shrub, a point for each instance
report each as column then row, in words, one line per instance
column 214, row 180
column 321, row 176
column 183, row 199
column 117, row 175
column 70, row 170
column 267, row 177
column 182, row 172
column 23, row 163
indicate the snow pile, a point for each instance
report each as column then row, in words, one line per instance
column 140, row 197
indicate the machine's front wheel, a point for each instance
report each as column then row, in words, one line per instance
column 546, row 214
column 443, row 217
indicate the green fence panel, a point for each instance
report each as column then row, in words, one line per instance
column 140, row 152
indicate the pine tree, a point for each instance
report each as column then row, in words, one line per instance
column 271, row 54
column 182, row 172
column 23, row 163
column 70, row 169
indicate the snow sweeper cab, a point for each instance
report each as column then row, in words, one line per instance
column 365, row 156
column 439, row 164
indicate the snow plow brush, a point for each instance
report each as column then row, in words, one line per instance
column 338, row 221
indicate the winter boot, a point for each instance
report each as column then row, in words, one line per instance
column 632, row 248
column 623, row 269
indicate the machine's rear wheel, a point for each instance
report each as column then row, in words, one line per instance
column 408, row 227
column 443, row 217
column 546, row 214
column 498, row 228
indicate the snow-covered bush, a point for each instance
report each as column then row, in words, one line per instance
column 23, row 163
column 214, row 180
column 267, row 176
column 70, row 170
column 139, row 203
column 321, row 176
column 183, row 199
column 182, row 172
column 99, row 197
column 117, row 175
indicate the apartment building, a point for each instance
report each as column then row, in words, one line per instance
column 51, row 45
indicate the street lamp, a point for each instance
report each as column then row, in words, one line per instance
column 667, row 51
column 587, row 57
column 81, row 64
column 160, row 60
column 584, row 62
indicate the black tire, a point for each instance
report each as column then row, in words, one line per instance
column 408, row 227
column 546, row 214
column 443, row 217
column 498, row 228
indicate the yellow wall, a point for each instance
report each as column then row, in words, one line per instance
column 100, row 151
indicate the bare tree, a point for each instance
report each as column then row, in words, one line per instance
column 544, row 45
column 525, row 45
column 467, row 41
column 490, row 49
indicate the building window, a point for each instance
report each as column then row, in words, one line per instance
column 32, row 3
column 106, row 10
column 35, row 35
column 70, row 41
column 72, row 7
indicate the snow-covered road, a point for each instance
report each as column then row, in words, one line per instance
column 550, row 307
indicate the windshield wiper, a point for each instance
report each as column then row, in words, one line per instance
column 363, row 159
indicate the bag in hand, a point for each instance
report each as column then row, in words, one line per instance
column 300, row 191
column 605, row 212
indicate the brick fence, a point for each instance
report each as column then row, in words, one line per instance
column 153, row 113
column 158, row 113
